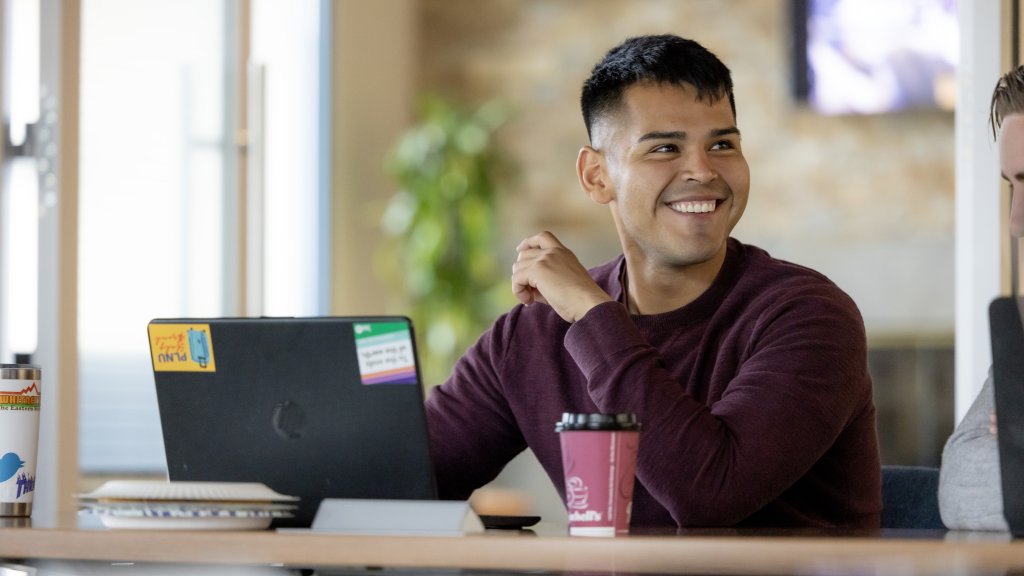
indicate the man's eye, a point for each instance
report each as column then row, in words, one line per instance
column 722, row 145
column 666, row 148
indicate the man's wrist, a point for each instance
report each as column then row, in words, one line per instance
column 588, row 304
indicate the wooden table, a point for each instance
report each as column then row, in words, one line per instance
column 691, row 552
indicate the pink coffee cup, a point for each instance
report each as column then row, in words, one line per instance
column 599, row 464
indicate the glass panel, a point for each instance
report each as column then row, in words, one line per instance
column 286, row 43
column 24, row 67
column 20, row 245
column 152, row 207
column 156, row 215
column 19, row 183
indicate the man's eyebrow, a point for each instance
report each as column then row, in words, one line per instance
column 732, row 130
column 677, row 135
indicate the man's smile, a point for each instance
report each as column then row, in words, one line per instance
column 694, row 206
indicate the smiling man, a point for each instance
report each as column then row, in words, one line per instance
column 748, row 374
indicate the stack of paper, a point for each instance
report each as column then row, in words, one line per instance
column 186, row 505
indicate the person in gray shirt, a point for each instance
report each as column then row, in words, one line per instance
column 970, row 487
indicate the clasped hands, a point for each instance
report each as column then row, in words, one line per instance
column 546, row 271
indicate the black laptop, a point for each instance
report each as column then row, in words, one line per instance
column 1006, row 321
column 317, row 408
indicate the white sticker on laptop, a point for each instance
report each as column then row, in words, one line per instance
column 385, row 353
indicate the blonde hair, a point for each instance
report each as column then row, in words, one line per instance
column 1007, row 98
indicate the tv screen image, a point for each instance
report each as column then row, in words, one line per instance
column 875, row 56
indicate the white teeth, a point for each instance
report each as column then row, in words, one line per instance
column 699, row 207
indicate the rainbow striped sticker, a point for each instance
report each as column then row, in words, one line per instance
column 385, row 353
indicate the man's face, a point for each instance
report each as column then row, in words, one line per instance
column 678, row 179
column 1011, row 162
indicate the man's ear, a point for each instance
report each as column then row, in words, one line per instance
column 590, row 169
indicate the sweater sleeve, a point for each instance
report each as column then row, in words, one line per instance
column 473, row 432
column 970, row 488
column 803, row 379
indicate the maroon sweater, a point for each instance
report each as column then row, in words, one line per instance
column 755, row 399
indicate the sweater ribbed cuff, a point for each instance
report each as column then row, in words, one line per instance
column 603, row 333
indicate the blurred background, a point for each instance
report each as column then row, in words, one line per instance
column 262, row 157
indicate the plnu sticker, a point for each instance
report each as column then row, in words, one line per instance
column 181, row 348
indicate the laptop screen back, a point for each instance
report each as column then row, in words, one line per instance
column 312, row 407
column 1006, row 320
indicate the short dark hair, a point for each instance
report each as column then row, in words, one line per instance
column 663, row 59
column 1007, row 98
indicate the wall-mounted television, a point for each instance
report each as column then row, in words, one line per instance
column 875, row 56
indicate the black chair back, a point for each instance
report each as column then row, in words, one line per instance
column 910, row 497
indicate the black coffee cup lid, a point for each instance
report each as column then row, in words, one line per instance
column 584, row 421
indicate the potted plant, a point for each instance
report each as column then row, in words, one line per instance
column 442, row 229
